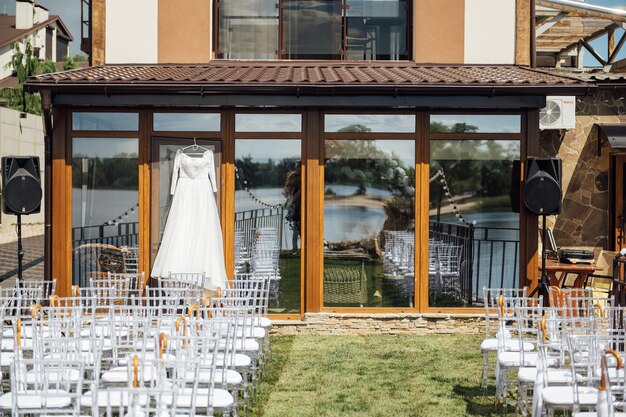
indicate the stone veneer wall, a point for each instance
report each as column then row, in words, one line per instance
column 584, row 218
column 370, row 324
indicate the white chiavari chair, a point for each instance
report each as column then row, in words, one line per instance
column 518, row 350
column 489, row 345
column 44, row 386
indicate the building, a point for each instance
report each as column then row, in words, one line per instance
column 370, row 147
column 32, row 23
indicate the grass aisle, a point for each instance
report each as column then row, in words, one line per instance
column 383, row 375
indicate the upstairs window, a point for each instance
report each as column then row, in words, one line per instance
column 313, row 29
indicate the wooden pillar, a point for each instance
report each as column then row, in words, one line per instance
column 529, row 273
column 313, row 230
column 422, row 178
column 522, row 32
column 228, row 190
column 61, row 195
column 144, row 200
column 98, row 32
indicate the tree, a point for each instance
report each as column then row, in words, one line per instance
column 24, row 65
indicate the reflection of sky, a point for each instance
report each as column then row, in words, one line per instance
column 377, row 123
column 262, row 150
column 187, row 122
column 105, row 121
column 104, row 147
column 474, row 150
column 268, row 122
column 486, row 123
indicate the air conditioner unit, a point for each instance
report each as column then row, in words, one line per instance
column 559, row 113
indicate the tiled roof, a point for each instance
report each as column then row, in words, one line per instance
column 311, row 78
column 306, row 73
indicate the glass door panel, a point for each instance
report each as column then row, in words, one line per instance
column 369, row 227
column 268, row 194
column 105, row 197
column 163, row 154
column 473, row 230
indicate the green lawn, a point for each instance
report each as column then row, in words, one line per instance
column 317, row 376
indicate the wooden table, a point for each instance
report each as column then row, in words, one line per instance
column 581, row 271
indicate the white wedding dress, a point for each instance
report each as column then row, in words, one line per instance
column 192, row 239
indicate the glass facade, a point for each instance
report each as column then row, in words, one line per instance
column 106, row 121
column 313, row 29
column 475, row 123
column 369, row 228
column 248, row 29
column 268, row 196
column 473, row 227
column 105, row 202
column 186, row 122
column 359, row 178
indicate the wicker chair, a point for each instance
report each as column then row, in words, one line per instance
column 345, row 285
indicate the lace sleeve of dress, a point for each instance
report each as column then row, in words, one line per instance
column 175, row 172
column 212, row 171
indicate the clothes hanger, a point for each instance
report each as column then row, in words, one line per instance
column 194, row 147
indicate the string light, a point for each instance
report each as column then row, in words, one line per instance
column 118, row 219
column 244, row 185
column 451, row 202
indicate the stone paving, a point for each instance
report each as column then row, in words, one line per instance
column 33, row 260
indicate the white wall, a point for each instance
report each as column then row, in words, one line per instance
column 131, row 31
column 490, row 31
column 6, row 52
column 21, row 137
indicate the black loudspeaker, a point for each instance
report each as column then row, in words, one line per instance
column 21, row 185
column 516, row 178
column 542, row 187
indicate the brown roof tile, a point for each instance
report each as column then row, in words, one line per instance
column 242, row 74
column 9, row 34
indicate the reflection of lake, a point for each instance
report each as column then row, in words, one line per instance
column 351, row 223
column 102, row 206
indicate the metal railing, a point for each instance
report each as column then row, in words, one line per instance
column 248, row 221
column 94, row 245
column 489, row 256
column 457, row 235
column 496, row 250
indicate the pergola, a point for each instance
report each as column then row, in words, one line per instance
column 565, row 28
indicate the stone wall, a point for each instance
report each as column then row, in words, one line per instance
column 370, row 324
column 584, row 218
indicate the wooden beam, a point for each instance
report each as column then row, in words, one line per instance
column 610, row 41
column 589, row 38
column 547, row 25
column 618, row 47
column 593, row 52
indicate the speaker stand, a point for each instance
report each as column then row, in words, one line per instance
column 20, row 252
column 543, row 287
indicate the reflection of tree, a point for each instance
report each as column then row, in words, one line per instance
column 480, row 168
column 267, row 174
column 439, row 127
column 364, row 164
column 119, row 172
